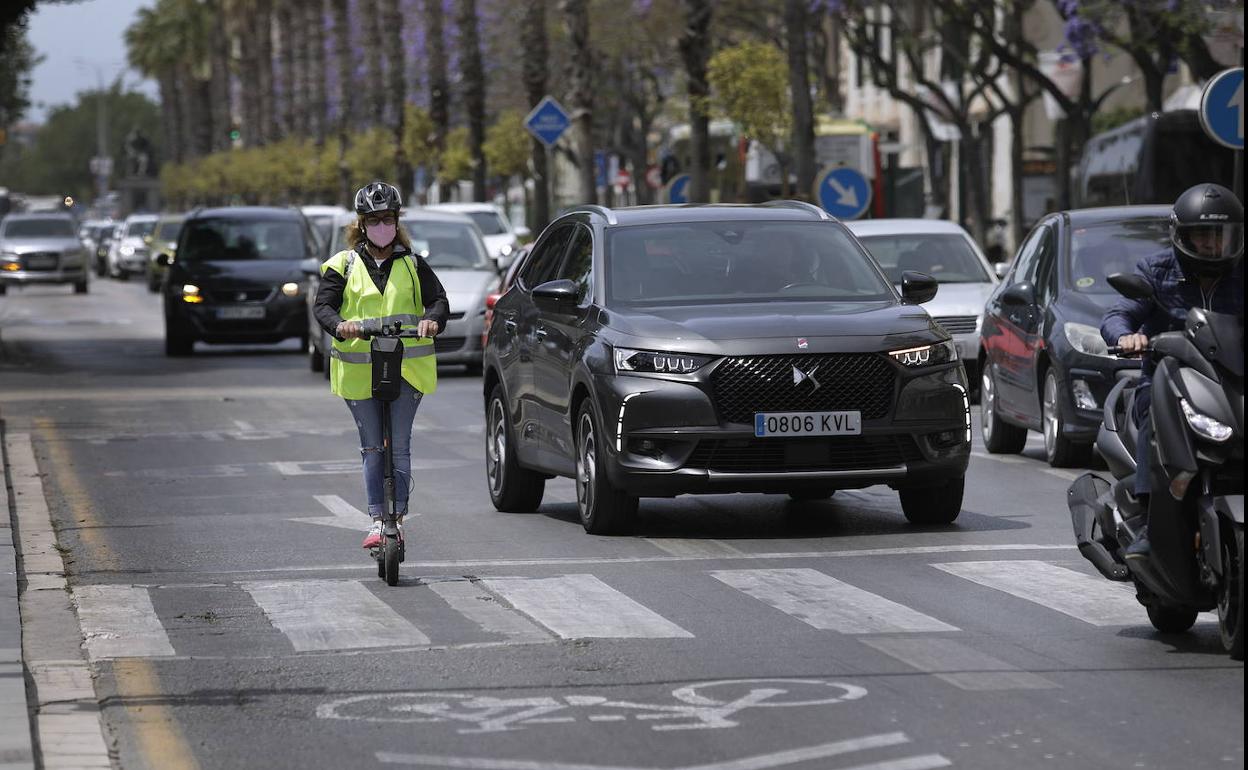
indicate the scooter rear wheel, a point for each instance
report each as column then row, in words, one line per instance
column 390, row 560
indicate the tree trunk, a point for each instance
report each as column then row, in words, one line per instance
column 249, row 91
column 1017, row 214
column 576, row 19
column 285, row 25
column 396, row 91
column 695, row 50
column 373, row 106
column 438, row 86
column 796, row 21
column 976, row 210
column 263, row 22
column 222, row 115
column 170, row 117
column 474, row 92
column 317, row 105
column 534, row 46
column 187, row 106
column 342, row 53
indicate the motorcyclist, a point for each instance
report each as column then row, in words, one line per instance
column 1203, row 268
column 380, row 277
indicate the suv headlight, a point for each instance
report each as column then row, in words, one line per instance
column 126, row 251
column 926, row 355
column 1204, row 425
column 658, row 362
column 1086, row 339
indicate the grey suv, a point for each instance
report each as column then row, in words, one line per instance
column 42, row 248
column 665, row 350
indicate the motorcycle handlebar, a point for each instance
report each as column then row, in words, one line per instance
column 1116, row 350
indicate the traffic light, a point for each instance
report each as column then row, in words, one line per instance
column 235, row 134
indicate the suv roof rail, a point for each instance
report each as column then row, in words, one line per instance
column 590, row 208
column 799, row 205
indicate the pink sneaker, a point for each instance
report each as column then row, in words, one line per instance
column 373, row 538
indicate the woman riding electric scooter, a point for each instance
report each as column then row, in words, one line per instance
column 376, row 283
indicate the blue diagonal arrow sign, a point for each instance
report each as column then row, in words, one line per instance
column 547, row 121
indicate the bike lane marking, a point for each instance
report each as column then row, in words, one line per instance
column 343, row 515
column 582, row 606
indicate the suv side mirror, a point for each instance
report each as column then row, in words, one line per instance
column 1131, row 286
column 1021, row 293
column 559, row 295
column 917, row 288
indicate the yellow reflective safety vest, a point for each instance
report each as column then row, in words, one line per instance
column 350, row 367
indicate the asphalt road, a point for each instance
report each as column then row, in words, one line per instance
column 208, row 511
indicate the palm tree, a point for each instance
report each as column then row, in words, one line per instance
column 287, row 27
column 576, row 19
column 438, row 87
column 695, row 49
column 374, row 101
column 474, row 92
column 222, row 114
column 152, row 53
column 317, row 106
column 396, row 89
column 533, row 44
column 342, row 56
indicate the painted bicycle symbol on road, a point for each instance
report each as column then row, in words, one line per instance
column 701, row 706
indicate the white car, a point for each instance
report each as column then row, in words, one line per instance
column 128, row 254
column 502, row 239
column 946, row 252
column 322, row 219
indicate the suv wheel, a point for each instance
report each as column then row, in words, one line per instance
column 939, row 504
column 1000, row 438
column 1058, row 450
column 604, row 509
column 512, row 489
column 80, row 287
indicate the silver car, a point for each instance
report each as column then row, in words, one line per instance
column 129, row 253
column 42, row 248
column 453, row 247
column 946, row 252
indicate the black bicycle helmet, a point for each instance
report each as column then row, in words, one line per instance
column 377, row 196
column 1207, row 230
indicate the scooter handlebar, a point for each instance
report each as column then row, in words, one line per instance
column 372, row 329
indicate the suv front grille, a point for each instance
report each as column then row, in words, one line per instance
column 828, row 453
column 240, row 295
column 40, row 260
column 957, row 324
column 847, row 382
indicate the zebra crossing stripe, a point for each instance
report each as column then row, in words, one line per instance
column 332, row 615
column 476, row 604
column 1083, row 597
column 120, row 622
column 828, row 604
column 582, row 607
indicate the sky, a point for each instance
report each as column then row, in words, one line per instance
column 76, row 40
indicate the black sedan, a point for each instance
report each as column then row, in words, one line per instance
column 1044, row 364
column 236, row 278
column 659, row 351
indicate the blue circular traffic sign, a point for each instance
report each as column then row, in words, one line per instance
column 843, row 192
column 678, row 189
column 1222, row 108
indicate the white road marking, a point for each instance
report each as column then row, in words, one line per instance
column 476, row 604
column 331, row 615
column 582, row 606
column 120, row 622
column 827, row 603
column 1083, row 597
column 958, row 664
column 702, row 549
column 321, row 467
column 342, row 514
column 244, row 425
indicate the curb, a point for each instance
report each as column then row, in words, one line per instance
column 16, row 745
column 65, row 715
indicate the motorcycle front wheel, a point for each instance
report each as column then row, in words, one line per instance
column 1231, row 594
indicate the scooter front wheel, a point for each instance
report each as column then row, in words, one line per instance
column 391, row 552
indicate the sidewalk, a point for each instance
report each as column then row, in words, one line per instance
column 15, row 721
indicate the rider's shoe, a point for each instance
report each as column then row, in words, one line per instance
column 373, row 538
column 1139, row 549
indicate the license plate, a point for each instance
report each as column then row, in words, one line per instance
column 41, row 263
column 771, row 424
column 239, row 313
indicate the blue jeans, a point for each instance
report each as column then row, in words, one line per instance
column 367, row 414
column 1140, row 409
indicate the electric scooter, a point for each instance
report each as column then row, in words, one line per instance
column 387, row 361
column 1195, row 513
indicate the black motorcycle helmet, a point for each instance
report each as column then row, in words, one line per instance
column 379, row 196
column 1207, row 230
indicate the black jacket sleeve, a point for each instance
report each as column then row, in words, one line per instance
column 437, row 308
column 329, row 301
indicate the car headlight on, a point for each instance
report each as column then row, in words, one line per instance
column 926, row 355
column 290, row 289
column 658, row 362
column 190, row 293
column 1204, row 425
column 1086, row 339
column 10, row 262
column 125, row 251
column 506, row 250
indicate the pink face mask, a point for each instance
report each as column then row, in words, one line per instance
column 381, row 235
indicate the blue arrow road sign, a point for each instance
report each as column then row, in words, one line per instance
column 1222, row 108
column 844, row 193
column 548, row 121
column 678, row 189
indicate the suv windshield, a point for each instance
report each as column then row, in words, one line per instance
column 141, row 228
column 221, row 238
column 488, row 222
column 947, row 257
column 447, row 245
column 38, row 228
column 737, row 262
column 1100, row 250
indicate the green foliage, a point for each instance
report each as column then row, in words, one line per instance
column 750, row 84
column 16, row 63
column 419, row 135
column 1104, row 120
column 57, row 163
column 457, row 158
column 508, row 145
